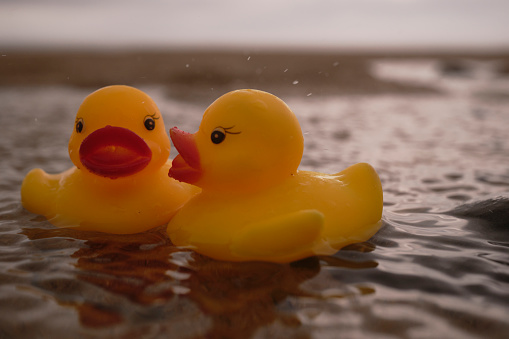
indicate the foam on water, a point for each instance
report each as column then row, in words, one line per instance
column 439, row 267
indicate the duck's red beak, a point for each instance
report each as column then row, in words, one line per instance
column 186, row 166
column 114, row 152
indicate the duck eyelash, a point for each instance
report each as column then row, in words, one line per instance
column 226, row 130
column 153, row 116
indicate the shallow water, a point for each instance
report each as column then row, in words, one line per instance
column 439, row 267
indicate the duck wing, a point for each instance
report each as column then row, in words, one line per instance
column 283, row 238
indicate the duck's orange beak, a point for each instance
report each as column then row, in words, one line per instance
column 114, row 152
column 186, row 166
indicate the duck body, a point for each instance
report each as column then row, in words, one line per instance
column 309, row 213
column 119, row 183
column 71, row 200
column 255, row 205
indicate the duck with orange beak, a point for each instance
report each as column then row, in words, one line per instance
column 119, row 183
column 255, row 204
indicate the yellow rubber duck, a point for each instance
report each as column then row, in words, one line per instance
column 119, row 183
column 255, row 205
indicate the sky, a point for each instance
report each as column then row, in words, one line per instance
column 335, row 24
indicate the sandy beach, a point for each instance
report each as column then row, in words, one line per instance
column 203, row 74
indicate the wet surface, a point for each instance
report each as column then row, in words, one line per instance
column 439, row 267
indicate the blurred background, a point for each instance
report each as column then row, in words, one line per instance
column 302, row 24
column 198, row 49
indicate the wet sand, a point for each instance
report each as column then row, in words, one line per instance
column 197, row 74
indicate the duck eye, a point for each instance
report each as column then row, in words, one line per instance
column 79, row 125
column 218, row 135
column 149, row 123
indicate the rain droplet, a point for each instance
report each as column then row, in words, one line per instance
column 286, row 70
column 295, row 82
column 310, row 94
column 187, row 65
column 335, row 64
column 248, row 58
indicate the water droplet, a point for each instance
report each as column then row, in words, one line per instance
column 187, row 65
column 286, row 70
column 335, row 64
column 248, row 58
column 310, row 94
column 295, row 82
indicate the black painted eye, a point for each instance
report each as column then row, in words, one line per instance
column 218, row 135
column 79, row 125
column 149, row 123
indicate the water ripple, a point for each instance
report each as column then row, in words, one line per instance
column 439, row 267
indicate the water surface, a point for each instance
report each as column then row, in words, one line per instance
column 439, row 267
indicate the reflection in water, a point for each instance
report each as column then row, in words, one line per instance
column 236, row 298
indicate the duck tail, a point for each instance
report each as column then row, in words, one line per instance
column 363, row 179
column 37, row 192
column 362, row 204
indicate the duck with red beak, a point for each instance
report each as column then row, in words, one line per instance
column 119, row 183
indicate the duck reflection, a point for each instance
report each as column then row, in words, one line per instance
column 235, row 298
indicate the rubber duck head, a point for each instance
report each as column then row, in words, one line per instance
column 118, row 133
column 248, row 140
